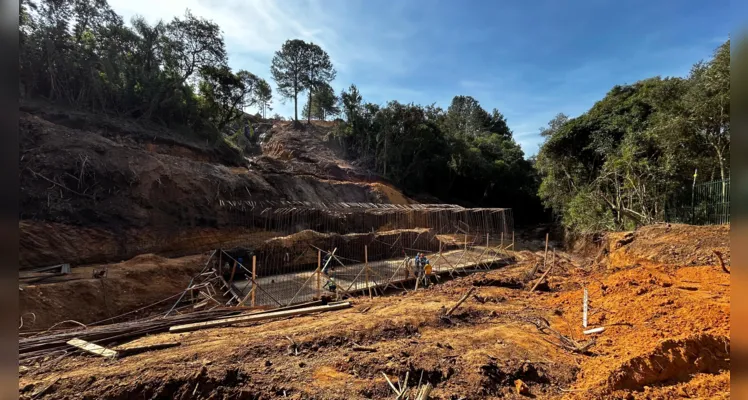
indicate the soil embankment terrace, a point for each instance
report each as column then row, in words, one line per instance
column 97, row 190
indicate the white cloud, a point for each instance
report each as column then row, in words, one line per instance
column 253, row 30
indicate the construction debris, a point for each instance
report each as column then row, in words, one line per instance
column 564, row 342
column 293, row 348
column 531, row 274
column 41, row 392
column 256, row 317
column 364, row 348
column 462, row 300
column 46, row 343
column 547, row 271
column 93, row 348
column 398, row 392
column 424, row 392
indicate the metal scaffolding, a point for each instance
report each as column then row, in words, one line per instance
column 314, row 250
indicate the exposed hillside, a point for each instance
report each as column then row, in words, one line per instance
column 99, row 189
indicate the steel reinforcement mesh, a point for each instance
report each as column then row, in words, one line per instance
column 290, row 252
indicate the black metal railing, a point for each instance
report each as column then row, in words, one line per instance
column 705, row 203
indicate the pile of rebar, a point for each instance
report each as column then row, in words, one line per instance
column 49, row 343
column 55, row 342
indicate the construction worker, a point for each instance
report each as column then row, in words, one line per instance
column 416, row 264
column 419, row 265
column 426, row 271
column 330, row 285
column 327, row 262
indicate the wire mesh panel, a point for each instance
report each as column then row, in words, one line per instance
column 303, row 251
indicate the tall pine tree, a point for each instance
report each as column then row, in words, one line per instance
column 290, row 69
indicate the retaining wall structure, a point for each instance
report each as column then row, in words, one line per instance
column 371, row 248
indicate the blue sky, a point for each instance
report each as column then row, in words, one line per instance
column 531, row 60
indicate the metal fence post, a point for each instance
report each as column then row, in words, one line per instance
column 693, row 193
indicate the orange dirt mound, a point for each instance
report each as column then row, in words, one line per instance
column 675, row 244
column 663, row 325
column 392, row 195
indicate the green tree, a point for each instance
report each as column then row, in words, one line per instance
column 351, row 103
column 554, row 125
column 708, row 102
column 617, row 165
column 464, row 155
column 466, row 117
column 191, row 44
column 227, row 94
column 324, row 103
column 264, row 96
column 290, row 69
column 320, row 72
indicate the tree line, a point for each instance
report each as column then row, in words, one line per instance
column 463, row 154
column 618, row 165
column 80, row 52
column 613, row 167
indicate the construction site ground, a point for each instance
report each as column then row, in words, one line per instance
column 660, row 293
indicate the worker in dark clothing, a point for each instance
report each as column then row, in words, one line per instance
column 327, row 263
column 419, row 265
column 330, row 285
column 329, row 270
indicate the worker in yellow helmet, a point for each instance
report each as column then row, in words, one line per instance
column 426, row 270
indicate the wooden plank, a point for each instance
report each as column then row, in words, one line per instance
column 543, row 276
column 233, row 271
column 92, row 348
column 462, row 300
column 234, row 294
column 366, row 265
column 254, row 279
column 200, row 304
column 63, row 268
column 252, row 318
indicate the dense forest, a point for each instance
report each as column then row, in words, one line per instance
column 618, row 165
column 610, row 168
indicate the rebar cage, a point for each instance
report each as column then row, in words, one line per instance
column 294, row 252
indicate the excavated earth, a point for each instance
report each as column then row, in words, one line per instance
column 96, row 191
column 660, row 293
